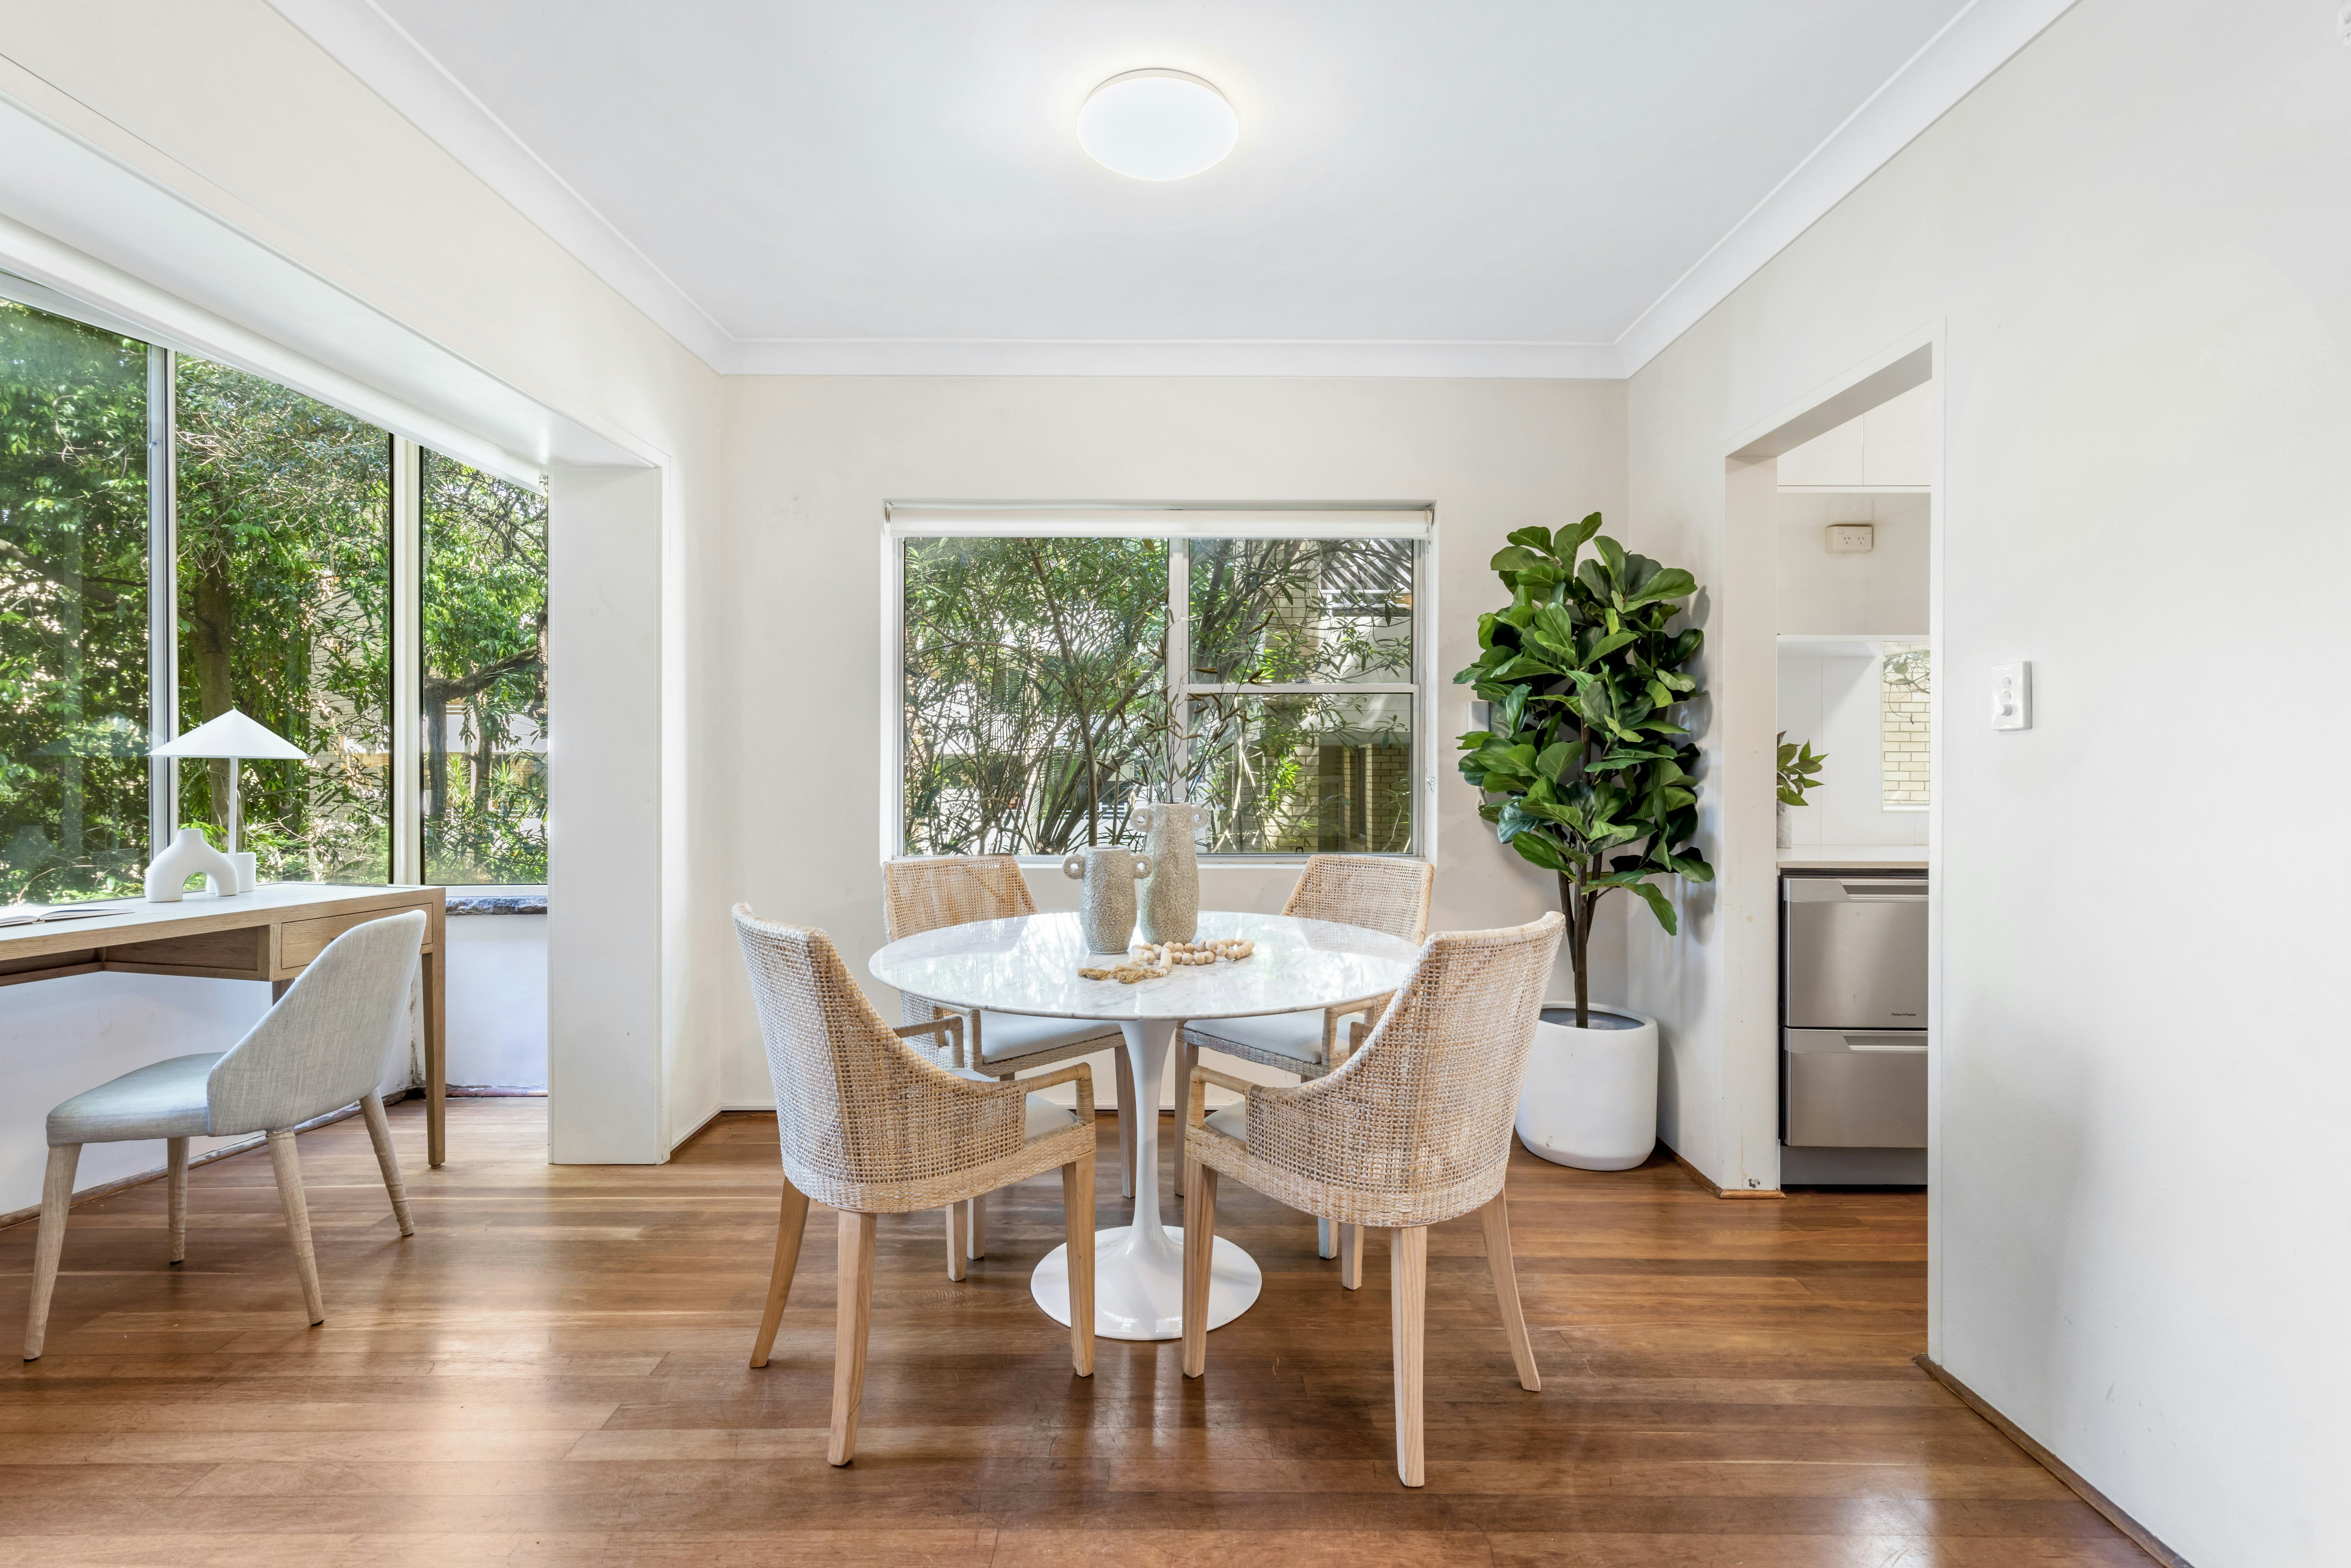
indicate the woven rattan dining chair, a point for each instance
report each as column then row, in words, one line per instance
column 321, row 1049
column 924, row 894
column 1374, row 891
column 871, row 1126
column 1413, row 1129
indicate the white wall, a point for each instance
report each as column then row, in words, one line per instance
column 1873, row 593
column 810, row 462
column 496, row 987
column 316, row 198
column 2134, row 240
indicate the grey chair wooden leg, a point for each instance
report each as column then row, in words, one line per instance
column 958, row 1215
column 380, row 1134
column 288, row 1167
column 49, row 1247
column 1496, row 1218
column 1351, row 1257
column 974, row 1230
column 175, row 1195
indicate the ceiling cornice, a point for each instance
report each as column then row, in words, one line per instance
column 382, row 54
column 1947, row 68
column 379, row 52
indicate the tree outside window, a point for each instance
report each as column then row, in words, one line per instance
column 1039, row 705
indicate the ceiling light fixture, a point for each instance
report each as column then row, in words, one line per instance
column 1158, row 125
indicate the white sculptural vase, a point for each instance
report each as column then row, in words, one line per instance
column 1106, row 905
column 1170, row 901
column 189, row 853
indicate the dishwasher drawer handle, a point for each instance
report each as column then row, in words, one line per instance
column 1879, row 1043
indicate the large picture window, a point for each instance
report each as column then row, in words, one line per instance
column 179, row 538
column 1051, row 681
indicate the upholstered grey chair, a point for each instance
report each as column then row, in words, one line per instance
column 321, row 1048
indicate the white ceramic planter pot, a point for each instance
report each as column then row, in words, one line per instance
column 1591, row 1099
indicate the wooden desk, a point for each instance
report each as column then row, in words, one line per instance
column 270, row 934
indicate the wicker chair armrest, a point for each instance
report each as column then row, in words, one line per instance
column 1195, row 1093
column 950, row 1023
column 1078, row 1072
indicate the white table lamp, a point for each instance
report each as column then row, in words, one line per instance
column 237, row 737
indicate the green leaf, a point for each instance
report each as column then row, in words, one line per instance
column 1536, row 537
column 1613, row 555
column 1670, row 584
column 1554, row 759
column 1539, row 850
column 1515, row 558
column 1658, row 905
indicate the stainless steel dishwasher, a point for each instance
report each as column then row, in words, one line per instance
column 1853, row 995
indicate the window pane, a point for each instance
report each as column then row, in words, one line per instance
column 73, row 609
column 285, row 509
column 1297, row 774
column 1036, row 691
column 485, row 684
column 1905, row 682
column 1295, row 611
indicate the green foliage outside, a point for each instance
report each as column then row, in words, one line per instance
column 485, row 634
column 283, row 522
column 1583, row 755
column 1037, row 713
column 285, row 573
column 73, row 609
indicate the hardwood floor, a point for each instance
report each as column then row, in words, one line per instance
column 553, row 1372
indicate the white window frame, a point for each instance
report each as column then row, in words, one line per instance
column 1174, row 521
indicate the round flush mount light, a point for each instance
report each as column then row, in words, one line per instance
column 1158, row 125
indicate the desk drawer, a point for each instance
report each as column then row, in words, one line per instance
column 235, row 954
column 299, row 941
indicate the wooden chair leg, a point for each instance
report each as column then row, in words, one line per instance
column 855, row 1266
column 1187, row 1057
column 1200, row 1256
column 1407, row 1314
column 958, row 1243
column 175, row 1195
column 288, row 1167
column 378, row 1127
column 1496, row 1218
column 1326, row 1240
column 1351, row 1257
column 1077, row 1231
column 790, row 1221
column 974, row 1230
column 1126, row 1123
column 49, row 1246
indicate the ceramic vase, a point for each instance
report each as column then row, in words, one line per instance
column 1106, row 905
column 1787, row 828
column 1170, row 907
column 189, row 853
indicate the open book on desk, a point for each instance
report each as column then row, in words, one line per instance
column 40, row 914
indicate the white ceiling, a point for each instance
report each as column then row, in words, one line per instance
column 1545, row 187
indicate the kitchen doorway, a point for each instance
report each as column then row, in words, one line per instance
column 1831, row 615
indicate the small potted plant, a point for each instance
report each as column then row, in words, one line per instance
column 1585, row 771
column 1800, row 772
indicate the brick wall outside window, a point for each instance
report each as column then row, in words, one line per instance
column 1905, row 686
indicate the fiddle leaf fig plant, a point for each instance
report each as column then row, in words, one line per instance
column 1585, row 769
column 1800, row 769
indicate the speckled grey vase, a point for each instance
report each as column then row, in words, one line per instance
column 1106, row 904
column 1170, row 908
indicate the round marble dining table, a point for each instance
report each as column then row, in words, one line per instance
column 1029, row 963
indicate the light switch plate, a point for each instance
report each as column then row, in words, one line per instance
column 2011, row 696
column 1852, row 539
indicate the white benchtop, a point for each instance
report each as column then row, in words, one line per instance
column 1841, row 857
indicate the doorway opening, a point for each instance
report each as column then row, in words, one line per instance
column 1833, row 529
